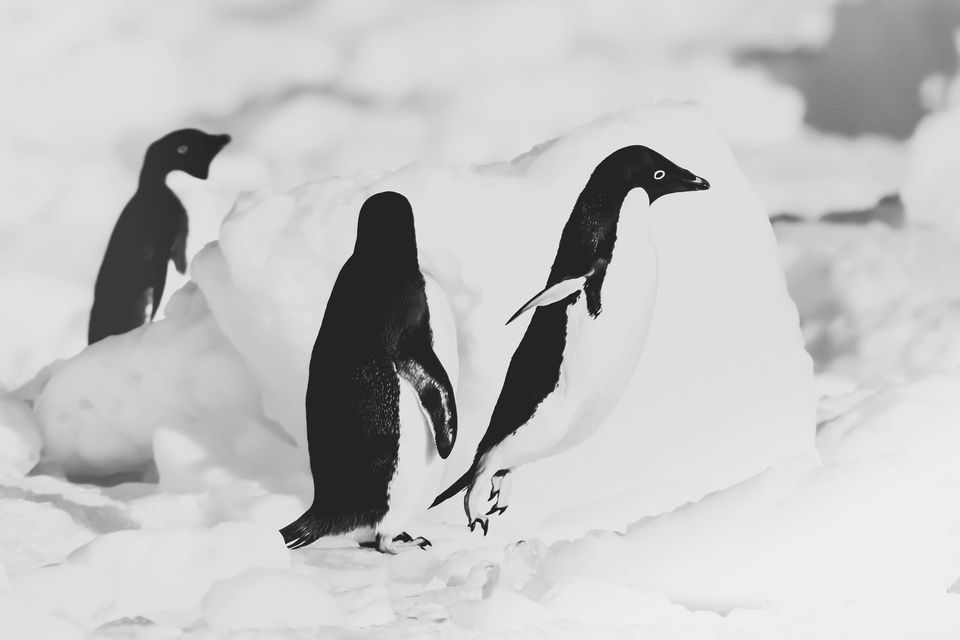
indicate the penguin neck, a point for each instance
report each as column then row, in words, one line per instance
column 152, row 179
column 591, row 231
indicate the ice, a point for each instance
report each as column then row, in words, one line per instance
column 878, row 304
column 162, row 575
column 270, row 599
column 19, row 438
column 868, row 525
column 99, row 410
column 737, row 526
column 19, row 618
column 930, row 194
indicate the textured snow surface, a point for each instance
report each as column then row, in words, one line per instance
column 719, row 500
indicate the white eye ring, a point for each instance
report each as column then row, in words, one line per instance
column 658, row 174
column 182, row 149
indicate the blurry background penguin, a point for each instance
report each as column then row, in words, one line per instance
column 151, row 231
column 588, row 329
column 381, row 414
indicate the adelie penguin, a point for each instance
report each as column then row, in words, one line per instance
column 381, row 414
column 151, row 231
column 588, row 328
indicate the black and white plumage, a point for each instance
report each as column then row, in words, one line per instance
column 381, row 413
column 151, row 231
column 587, row 331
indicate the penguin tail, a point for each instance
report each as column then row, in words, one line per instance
column 305, row 530
column 456, row 487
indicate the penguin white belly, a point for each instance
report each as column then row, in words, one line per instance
column 419, row 466
column 416, row 480
column 600, row 354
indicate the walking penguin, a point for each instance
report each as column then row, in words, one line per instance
column 381, row 415
column 588, row 328
column 151, row 231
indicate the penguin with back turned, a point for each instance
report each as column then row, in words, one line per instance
column 587, row 331
column 381, row 414
column 151, row 231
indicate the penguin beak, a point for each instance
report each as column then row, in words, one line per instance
column 698, row 184
column 224, row 140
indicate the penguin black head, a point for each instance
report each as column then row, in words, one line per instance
column 637, row 166
column 187, row 150
column 385, row 228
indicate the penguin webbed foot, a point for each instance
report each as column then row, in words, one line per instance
column 500, row 490
column 483, row 522
column 401, row 542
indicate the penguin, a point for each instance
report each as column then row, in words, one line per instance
column 380, row 407
column 586, row 333
column 151, row 231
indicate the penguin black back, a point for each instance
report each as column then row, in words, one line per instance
column 375, row 329
column 151, row 231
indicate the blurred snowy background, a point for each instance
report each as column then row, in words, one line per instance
column 822, row 505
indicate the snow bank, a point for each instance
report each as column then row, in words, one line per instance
column 160, row 575
column 873, row 524
column 488, row 236
column 99, row 410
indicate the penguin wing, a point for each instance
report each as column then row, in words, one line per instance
column 553, row 293
column 178, row 252
column 159, row 280
column 426, row 374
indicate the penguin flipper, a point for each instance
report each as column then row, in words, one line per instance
column 423, row 370
column 553, row 293
column 178, row 252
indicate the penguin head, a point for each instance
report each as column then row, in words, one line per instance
column 637, row 166
column 187, row 150
column 385, row 229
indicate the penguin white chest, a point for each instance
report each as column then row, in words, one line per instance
column 601, row 353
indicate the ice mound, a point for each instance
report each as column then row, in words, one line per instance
column 931, row 194
column 724, row 367
column 870, row 525
column 99, row 410
column 19, row 438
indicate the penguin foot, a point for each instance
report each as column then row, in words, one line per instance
column 500, row 489
column 483, row 522
column 398, row 544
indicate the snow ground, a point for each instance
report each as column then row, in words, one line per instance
column 724, row 502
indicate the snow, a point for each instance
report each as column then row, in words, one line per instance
column 142, row 480
column 20, row 441
column 270, row 599
column 931, row 195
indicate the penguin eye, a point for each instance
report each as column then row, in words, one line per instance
column 658, row 174
column 182, row 149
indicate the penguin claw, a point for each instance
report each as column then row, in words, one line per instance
column 422, row 542
column 497, row 510
column 483, row 522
